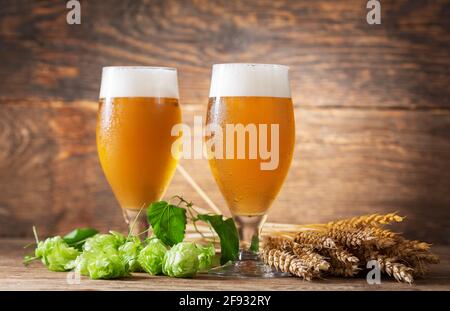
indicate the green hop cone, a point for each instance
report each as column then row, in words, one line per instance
column 151, row 257
column 101, row 258
column 130, row 251
column 55, row 253
column 104, row 241
column 182, row 260
column 205, row 257
column 79, row 264
column 106, row 265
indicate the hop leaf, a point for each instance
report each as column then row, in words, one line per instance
column 227, row 232
column 78, row 237
column 168, row 222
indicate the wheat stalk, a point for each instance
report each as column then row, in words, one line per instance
column 366, row 220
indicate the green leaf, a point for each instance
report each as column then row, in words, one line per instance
column 228, row 234
column 168, row 222
column 77, row 237
column 254, row 246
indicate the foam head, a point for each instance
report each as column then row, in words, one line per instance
column 131, row 81
column 262, row 80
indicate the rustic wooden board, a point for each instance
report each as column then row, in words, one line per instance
column 347, row 162
column 336, row 58
column 14, row 276
column 372, row 103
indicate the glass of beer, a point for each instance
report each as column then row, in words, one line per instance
column 251, row 112
column 138, row 107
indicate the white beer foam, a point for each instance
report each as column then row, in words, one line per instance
column 250, row 80
column 130, row 81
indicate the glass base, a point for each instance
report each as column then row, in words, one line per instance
column 247, row 269
column 248, row 265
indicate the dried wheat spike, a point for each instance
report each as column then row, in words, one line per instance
column 343, row 263
column 420, row 267
column 341, row 255
column 383, row 243
column 344, row 270
column 352, row 238
column 413, row 245
column 357, row 238
column 406, row 248
column 314, row 239
column 399, row 271
column 426, row 257
column 297, row 268
column 366, row 254
column 314, row 260
column 419, row 261
column 384, row 233
column 277, row 242
column 286, row 262
column 367, row 220
column 310, row 258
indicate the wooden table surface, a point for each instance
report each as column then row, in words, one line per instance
column 14, row 276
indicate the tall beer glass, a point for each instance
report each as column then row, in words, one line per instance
column 250, row 105
column 138, row 107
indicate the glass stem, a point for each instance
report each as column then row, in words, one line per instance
column 137, row 222
column 249, row 229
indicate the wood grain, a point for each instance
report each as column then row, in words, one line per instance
column 336, row 58
column 372, row 103
column 347, row 162
column 14, row 276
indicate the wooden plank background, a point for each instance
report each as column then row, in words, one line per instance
column 372, row 103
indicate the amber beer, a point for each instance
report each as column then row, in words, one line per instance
column 138, row 107
column 247, row 189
